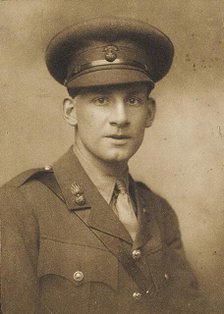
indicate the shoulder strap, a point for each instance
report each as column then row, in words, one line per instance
column 49, row 180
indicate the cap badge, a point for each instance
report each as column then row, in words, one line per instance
column 110, row 53
column 78, row 193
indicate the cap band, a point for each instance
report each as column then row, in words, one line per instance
column 105, row 64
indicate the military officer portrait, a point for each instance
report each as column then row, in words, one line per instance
column 80, row 234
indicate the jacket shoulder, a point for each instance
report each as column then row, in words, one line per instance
column 13, row 196
column 147, row 193
column 26, row 176
column 143, row 186
column 157, row 203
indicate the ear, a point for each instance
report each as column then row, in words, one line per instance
column 69, row 111
column 151, row 106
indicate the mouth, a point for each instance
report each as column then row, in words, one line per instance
column 118, row 137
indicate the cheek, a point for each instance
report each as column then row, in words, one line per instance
column 85, row 119
column 140, row 121
column 89, row 127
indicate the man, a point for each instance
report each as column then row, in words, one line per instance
column 82, row 236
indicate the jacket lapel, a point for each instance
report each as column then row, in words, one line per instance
column 70, row 174
column 148, row 234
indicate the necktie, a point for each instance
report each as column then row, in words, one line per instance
column 124, row 209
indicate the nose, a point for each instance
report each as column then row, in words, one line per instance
column 118, row 115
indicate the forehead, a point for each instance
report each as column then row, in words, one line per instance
column 113, row 89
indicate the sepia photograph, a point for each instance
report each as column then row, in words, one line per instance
column 112, row 156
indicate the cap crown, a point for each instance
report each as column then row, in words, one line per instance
column 119, row 43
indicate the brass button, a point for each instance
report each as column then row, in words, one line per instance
column 78, row 275
column 137, row 296
column 47, row 167
column 136, row 254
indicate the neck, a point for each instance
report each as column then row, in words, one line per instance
column 110, row 168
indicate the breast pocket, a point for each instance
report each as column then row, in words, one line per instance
column 74, row 278
column 158, row 266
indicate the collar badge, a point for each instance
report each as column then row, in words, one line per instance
column 78, row 193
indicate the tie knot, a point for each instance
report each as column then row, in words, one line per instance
column 121, row 186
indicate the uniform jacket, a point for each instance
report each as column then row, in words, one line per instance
column 58, row 251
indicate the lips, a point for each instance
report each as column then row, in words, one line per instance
column 118, row 136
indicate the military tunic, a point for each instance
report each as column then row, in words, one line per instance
column 65, row 251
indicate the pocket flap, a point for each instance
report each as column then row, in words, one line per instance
column 78, row 264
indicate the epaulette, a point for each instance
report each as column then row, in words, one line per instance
column 27, row 175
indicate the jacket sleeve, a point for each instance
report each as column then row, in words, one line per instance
column 185, row 294
column 19, row 254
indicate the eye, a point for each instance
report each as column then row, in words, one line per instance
column 134, row 101
column 101, row 101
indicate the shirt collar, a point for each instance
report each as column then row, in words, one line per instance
column 98, row 174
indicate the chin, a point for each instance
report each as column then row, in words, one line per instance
column 118, row 157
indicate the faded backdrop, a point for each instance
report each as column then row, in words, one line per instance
column 182, row 155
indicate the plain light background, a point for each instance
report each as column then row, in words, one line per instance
column 182, row 154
